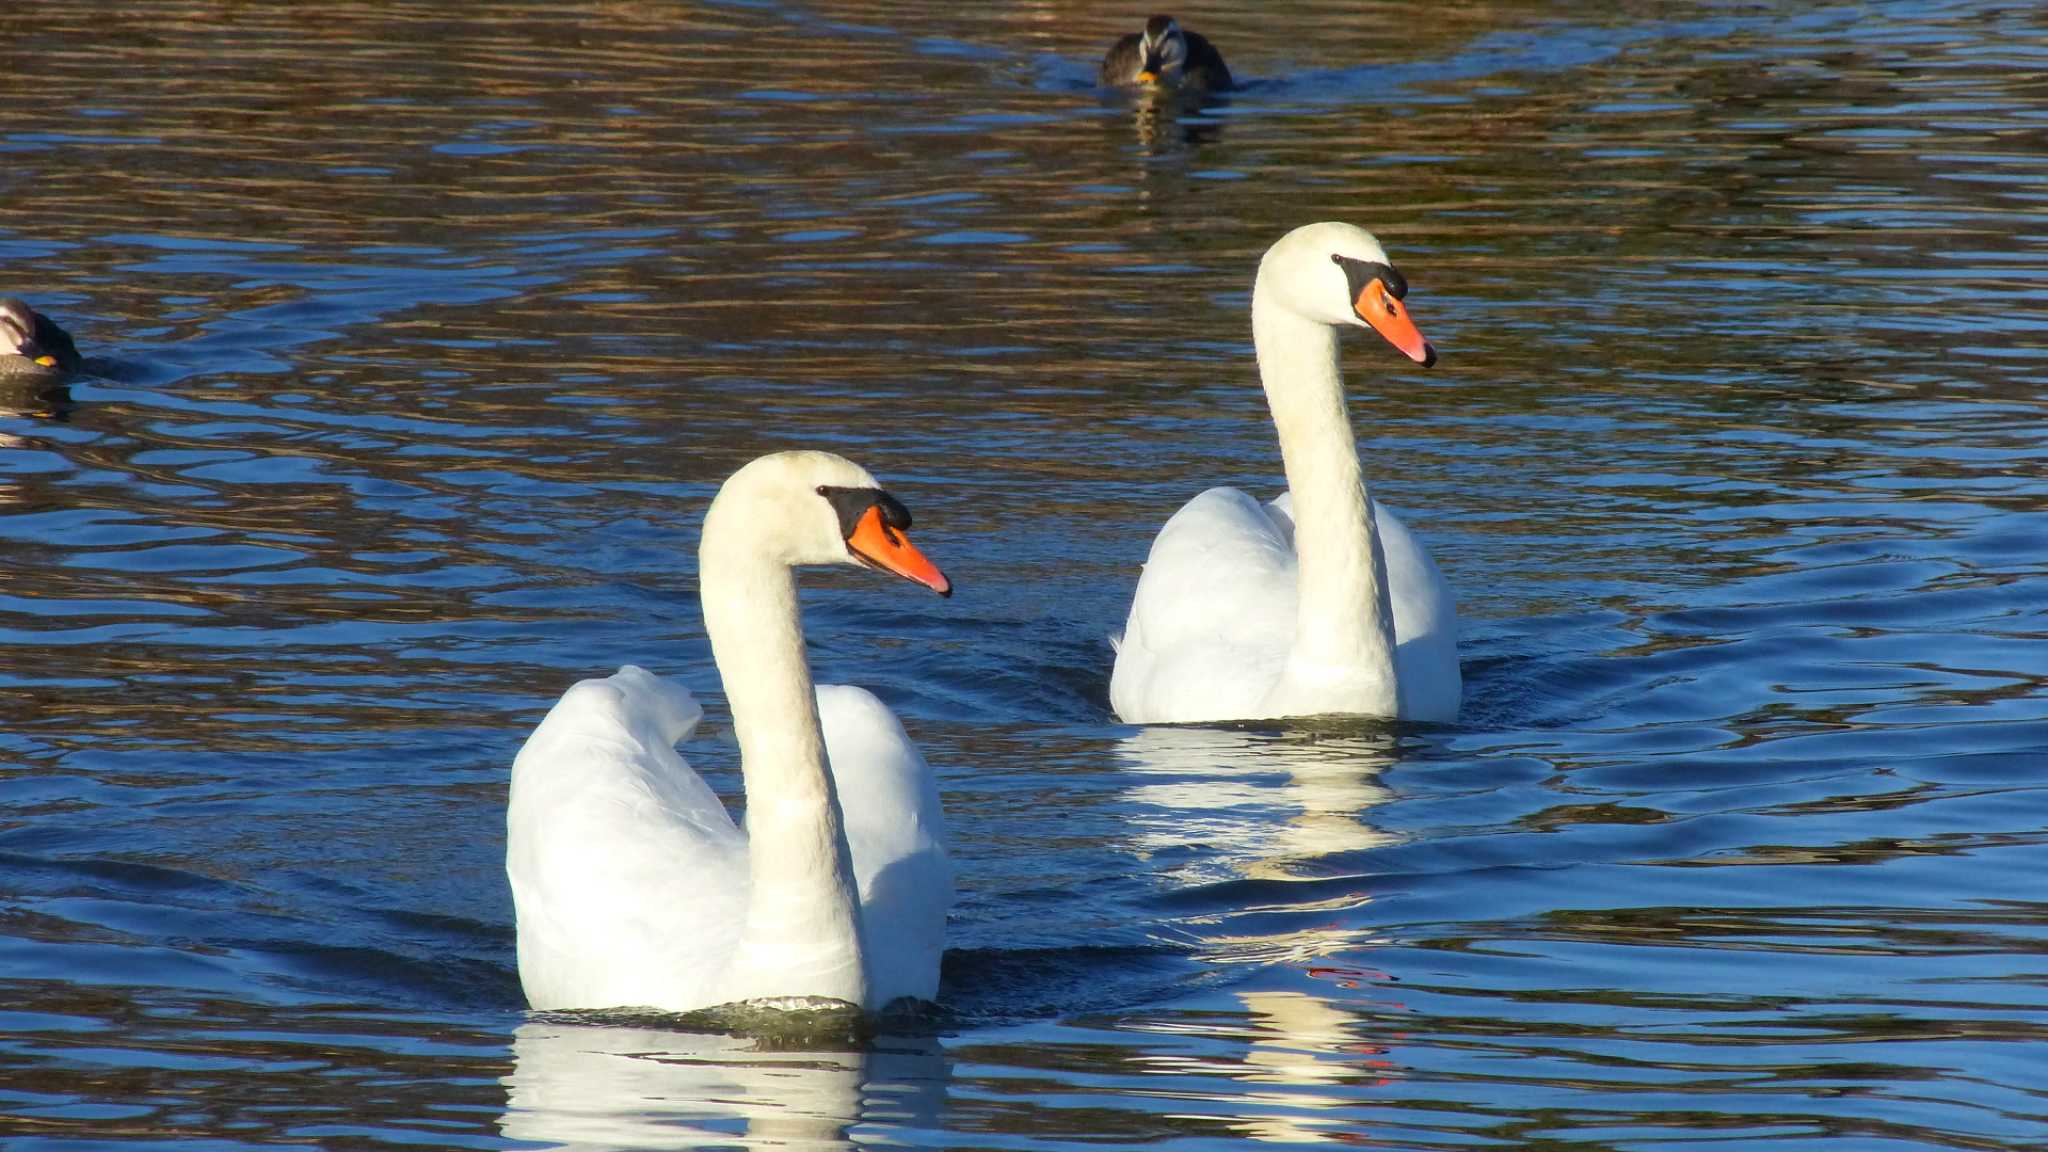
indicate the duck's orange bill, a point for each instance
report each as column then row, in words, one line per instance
column 891, row 551
column 1389, row 317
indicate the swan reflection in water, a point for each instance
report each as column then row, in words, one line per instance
column 586, row 1086
column 1279, row 808
column 1273, row 820
column 1306, row 1054
column 1266, row 803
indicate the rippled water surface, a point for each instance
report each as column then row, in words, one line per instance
column 419, row 336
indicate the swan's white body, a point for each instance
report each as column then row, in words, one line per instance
column 632, row 884
column 1320, row 602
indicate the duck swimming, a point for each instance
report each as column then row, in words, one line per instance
column 1167, row 56
column 32, row 347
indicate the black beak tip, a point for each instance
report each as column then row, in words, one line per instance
column 1428, row 355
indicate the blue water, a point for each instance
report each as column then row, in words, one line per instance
column 418, row 340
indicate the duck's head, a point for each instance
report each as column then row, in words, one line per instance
column 1339, row 275
column 1162, row 51
column 31, row 344
column 801, row 508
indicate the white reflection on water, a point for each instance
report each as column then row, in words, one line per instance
column 1261, row 805
column 597, row 1087
column 1276, row 807
column 1309, row 1044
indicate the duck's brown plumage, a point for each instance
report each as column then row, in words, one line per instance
column 1202, row 67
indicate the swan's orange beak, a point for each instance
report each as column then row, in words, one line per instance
column 47, row 361
column 880, row 546
column 1389, row 317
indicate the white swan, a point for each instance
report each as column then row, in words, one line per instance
column 631, row 883
column 1320, row 602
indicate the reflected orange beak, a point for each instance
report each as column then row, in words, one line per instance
column 47, row 361
column 880, row 546
column 1148, row 78
column 1389, row 317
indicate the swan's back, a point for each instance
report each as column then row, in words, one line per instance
column 1425, row 624
column 1216, row 609
column 896, row 834
column 1213, row 616
column 628, row 876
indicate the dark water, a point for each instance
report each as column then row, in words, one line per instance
column 422, row 334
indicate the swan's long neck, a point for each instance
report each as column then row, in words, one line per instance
column 1345, row 628
column 802, row 930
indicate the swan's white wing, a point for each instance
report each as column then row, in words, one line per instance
column 628, row 876
column 1213, row 617
column 1425, row 624
column 896, row 831
column 1280, row 509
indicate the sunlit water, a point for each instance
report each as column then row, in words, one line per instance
column 421, row 335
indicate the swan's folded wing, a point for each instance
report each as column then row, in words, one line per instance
column 1423, row 603
column 628, row 875
column 896, row 831
column 1213, row 616
column 1425, row 624
column 1280, row 510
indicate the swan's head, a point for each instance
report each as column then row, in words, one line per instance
column 818, row 508
column 31, row 344
column 1339, row 275
column 1162, row 51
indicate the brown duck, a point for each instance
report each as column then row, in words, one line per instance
column 32, row 347
column 1167, row 56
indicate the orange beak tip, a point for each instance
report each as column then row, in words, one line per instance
column 878, row 547
column 1376, row 310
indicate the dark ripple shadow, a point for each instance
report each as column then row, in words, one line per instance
column 995, row 988
column 42, row 402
